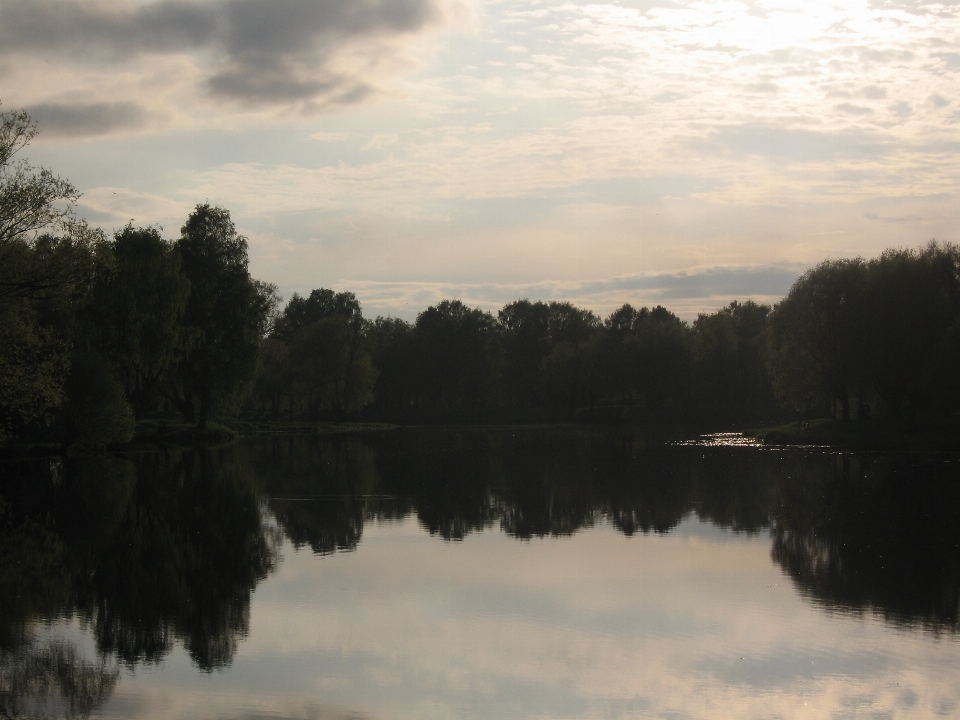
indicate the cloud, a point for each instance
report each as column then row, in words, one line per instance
column 685, row 293
column 894, row 219
column 793, row 144
column 379, row 141
column 308, row 53
column 79, row 119
column 850, row 109
column 902, row 109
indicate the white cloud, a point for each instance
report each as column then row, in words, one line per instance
column 381, row 140
column 787, row 122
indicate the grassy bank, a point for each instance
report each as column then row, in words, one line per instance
column 875, row 434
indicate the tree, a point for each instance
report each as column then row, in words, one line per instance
column 322, row 303
column 392, row 348
column 45, row 258
column 33, row 366
column 455, row 347
column 569, row 368
column 137, row 311
column 226, row 315
column 331, row 367
column 816, row 335
column 526, row 343
column 31, row 199
column 97, row 413
column 730, row 358
column 911, row 299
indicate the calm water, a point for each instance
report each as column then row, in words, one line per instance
column 487, row 574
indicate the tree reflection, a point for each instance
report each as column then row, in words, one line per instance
column 875, row 535
column 166, row 551
column 319, row 491
column 853, row 535
column 53, row 680
column 167, row 548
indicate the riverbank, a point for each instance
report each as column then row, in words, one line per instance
column 154, row 434
column 880, row 434
column 168, row 432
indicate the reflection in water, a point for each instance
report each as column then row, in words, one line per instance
column 166, row 548
column 875, row 534
column 853, row 533
column 52, row 680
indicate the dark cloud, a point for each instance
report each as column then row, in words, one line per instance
column 261, row 51
column 792, row 145
column 712, row 282
column 78, row 119
column 118, row 31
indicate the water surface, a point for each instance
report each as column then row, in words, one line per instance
column 481, row 574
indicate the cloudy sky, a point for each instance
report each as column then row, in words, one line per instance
column 643, row 151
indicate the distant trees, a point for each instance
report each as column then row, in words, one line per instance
column 316, row 358
column 885, row 329
column 648, row 355
column 556, row 355
column 456, row 349
column 97, row 331
column 730, row 359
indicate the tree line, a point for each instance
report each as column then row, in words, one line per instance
column 97, row 331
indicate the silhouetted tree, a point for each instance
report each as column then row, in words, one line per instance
column 569, row 368
column 320, row 305
column 331, row 367
column 526, row 343
column 46, row 259
column 456, row 349
column 137, row 311
column 816, row 343
column 226, row 315
column 911, row 302
column 393, row 350
column 729, row 348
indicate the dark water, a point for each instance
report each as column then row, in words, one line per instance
column 480, row 574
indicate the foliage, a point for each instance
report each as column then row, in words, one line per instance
column 814, row 337
column 884, row 330
column 137, row 309
column 729, row 356
column 31, row 199
column 33, row 365
column 321, row 304
column 97, row 413
column 46, row 262
column 226, row 316
column 331, row 367
column 455, row 348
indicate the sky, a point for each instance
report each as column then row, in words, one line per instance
column 642, row 151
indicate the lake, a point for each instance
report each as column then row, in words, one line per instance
column 507, row 573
